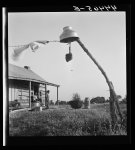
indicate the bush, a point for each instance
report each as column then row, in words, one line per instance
column 51, row 102
column 76, row 102
column 124, row 100
column 15, row 104
column 62, row 103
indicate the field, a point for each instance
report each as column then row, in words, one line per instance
column 65, row 121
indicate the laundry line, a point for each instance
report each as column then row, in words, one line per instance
column 34, row 41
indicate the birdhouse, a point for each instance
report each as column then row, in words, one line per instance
column 68, row 57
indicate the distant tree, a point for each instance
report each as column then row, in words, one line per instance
column 62, row 103
column 97, row 100
column 76, row 101
column 124, row 100
column 107, row 101
column 76, row 97
column 51, row 102
column 68, row 102
column 119, row 97
column 56, row 103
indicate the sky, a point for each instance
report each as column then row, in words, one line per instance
column 102, row 33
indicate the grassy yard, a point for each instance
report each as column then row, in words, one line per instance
column 65, row 121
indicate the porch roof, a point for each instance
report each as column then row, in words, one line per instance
column 19, row 73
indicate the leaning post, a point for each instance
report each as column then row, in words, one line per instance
column 113, row 96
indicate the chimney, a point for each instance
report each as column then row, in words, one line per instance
column 27, row 67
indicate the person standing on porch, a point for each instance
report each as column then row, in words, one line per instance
column 40, row 96
column 47, row 99
column 35, row 97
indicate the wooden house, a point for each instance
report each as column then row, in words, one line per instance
column 23, row 83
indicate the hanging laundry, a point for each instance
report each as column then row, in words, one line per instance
column 33, row 45
column 17, row 51
column 37, row 44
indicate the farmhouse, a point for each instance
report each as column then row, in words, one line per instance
column 23, row 83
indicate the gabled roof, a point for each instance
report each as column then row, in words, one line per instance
column 16, row 72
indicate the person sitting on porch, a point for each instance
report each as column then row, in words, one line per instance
column 39, row 99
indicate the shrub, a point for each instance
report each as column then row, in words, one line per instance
column 51, row 102
column 62, row 103
column 15, row 104
column 76, row 102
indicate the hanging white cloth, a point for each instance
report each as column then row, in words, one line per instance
column 17, row 51
column 33, row 45
column 37, row 44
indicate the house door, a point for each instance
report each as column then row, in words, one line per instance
column 36, row 90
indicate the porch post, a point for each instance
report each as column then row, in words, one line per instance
column 45, row 95
column 30, row 94
column 57, row 96
column 14, row 93
column 11, row 93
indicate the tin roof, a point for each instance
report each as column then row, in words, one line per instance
column 16, row 72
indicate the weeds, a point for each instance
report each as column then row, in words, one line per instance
column 64, row 122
